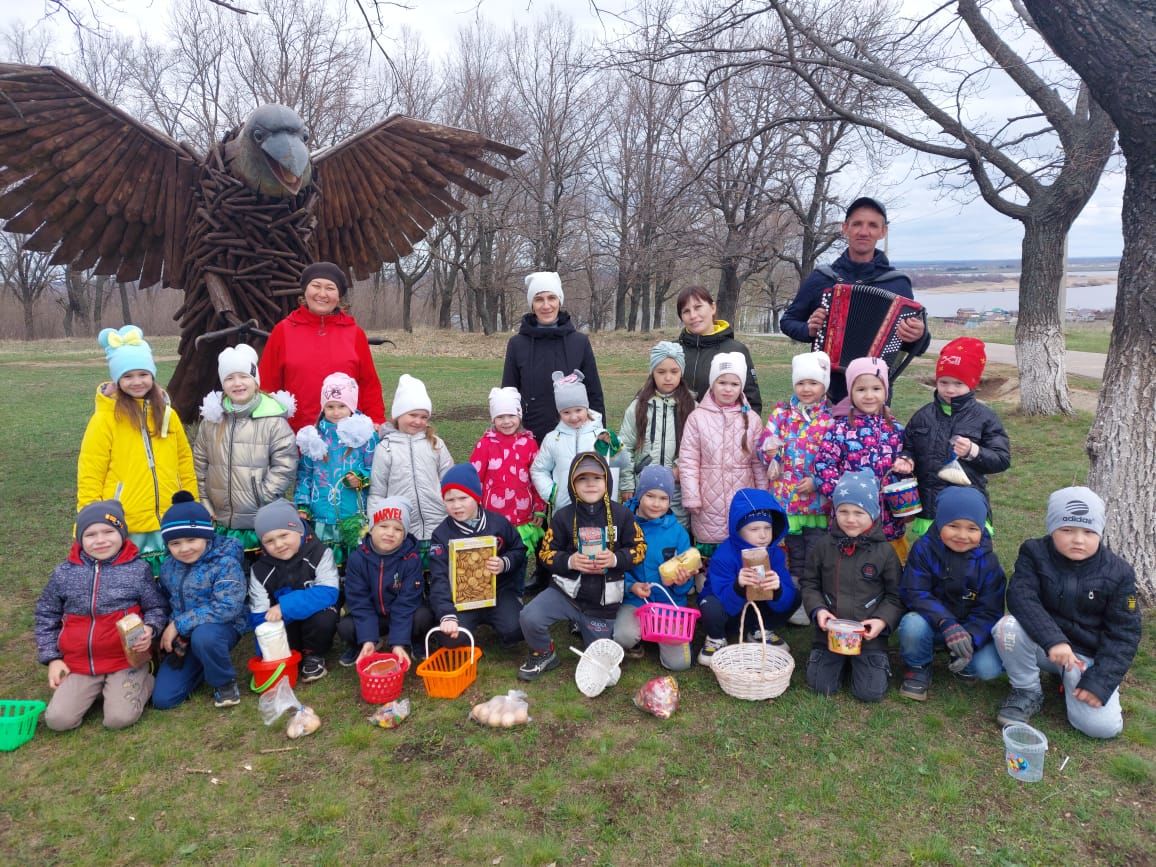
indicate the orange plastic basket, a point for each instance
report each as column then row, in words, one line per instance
column 449, row 671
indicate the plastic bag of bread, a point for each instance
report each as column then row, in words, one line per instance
column 658, row 696
column 390, row 716
column 303, row 722
column 503, row 711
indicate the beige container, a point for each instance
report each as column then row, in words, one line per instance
column 760, row 560
column 690, row 560
column 131, row 628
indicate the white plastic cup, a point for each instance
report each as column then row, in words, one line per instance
column 273, row 641
column 1024, row 751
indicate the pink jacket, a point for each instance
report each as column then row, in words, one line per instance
column 712, row 465
column 503, row 464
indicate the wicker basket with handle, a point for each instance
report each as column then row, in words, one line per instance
column 752, row 671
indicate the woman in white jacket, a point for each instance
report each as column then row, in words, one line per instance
column 411, row 459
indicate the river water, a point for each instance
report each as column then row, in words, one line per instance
column 1101, row 297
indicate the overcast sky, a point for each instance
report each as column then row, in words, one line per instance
column 924, row 225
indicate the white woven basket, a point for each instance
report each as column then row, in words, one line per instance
column 599, row 666
column 752, row 671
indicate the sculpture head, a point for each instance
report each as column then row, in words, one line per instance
column 271, row 155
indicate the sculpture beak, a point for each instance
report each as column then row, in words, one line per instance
column 288, row 159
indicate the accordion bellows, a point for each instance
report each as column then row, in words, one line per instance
column 861, row 322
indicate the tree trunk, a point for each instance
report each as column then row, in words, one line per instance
column 1039, row 332
column 29, row 319
column 728, row 290
column 125, row 307
column 97, row 304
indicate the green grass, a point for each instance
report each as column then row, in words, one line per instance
column 1079, row 336
column 802, row 779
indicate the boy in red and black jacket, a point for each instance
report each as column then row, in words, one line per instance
column 588, row 548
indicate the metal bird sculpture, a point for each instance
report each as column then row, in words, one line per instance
column 232, row 229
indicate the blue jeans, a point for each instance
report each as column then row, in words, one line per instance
column 918, row 641
column 207, row 659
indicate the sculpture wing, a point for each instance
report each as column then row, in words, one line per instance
column 383, row 188
column 88, row 182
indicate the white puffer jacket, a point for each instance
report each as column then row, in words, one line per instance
column 550, row 471
column 409, row 466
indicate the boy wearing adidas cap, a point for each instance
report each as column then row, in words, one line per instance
column 1072, row 611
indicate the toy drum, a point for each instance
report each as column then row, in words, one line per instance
column 902, row 498
column 845, row 637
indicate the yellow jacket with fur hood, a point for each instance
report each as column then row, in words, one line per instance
column 118, row 460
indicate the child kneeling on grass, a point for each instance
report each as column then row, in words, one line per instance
column 853, row 574
column 205, row 583
column 665, row 537
column 953, row 586
column 1072, row 611
column 384, row 586
column 295, row 581
column 589, row 545
column 462, row 494
column 102, row 580
column 756, row 520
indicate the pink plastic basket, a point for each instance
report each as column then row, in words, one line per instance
column 666, row 624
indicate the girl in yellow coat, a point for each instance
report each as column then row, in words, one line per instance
column 134, row 449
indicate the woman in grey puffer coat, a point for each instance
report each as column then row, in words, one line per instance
column 245, row 453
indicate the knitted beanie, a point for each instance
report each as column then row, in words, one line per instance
column 570, row 390
column 325, row 271
column 858, row 488
column 543, row 281
column 277, row 515
column 339, row 388
column 390, row 509
column 665, row 349
column 241, row 358
column 872, row 366
column 958, row 503
column 655, row 477
column 729, row 362
column 811, row 365
column 964, row 359
column 410, row 395
column 108, row 512
column 126, row 349
column 186, row 519
column 505, row 401
column 464, row 478
column 1076, row 507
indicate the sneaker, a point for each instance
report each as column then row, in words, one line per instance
column 313, row 669
column 773, row 639
column 916, row 682
column 537, row 664
column 799, row 618
column 965, row 678
column 709, row 648
column 228, row 695
column 1019, row 706
column 349, row 656
column 636, row 652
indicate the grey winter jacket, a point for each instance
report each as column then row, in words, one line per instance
column 409, row 466
column 244, row 459
column 660, row 443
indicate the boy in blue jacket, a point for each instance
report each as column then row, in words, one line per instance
column 665, row 537
column 953, row 587
column 384, row 586
column 756, row 520
column 204, row 580
column 294, row 580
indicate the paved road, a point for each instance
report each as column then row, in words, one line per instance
column 1090, row 364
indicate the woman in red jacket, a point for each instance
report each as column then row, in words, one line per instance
column 315, row 340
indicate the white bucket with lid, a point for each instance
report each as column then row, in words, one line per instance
column 273, row 640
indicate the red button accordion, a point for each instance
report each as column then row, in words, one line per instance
column 862, row 321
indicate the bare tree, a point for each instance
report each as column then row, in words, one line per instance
column 1109, row 43
column 26, row 274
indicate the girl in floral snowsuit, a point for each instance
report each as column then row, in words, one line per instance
column 868, row 438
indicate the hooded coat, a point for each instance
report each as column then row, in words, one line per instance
column 142, row 468
column 410, row 466
column 700, row 350
column 503, row 463
column 727, row 560
column 551, row 467
column 665, row 537
column 854, row 579
column 211, row 590
column 877, row 272
column 712, row 464
column 380, row 586
column 321, row 488
column 76, row 614
column 244, row 458
column 304, row 348
column 533, row 354
column 802, row 431
column 604, row 523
